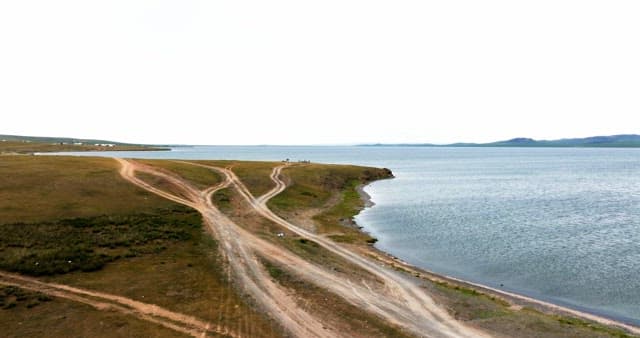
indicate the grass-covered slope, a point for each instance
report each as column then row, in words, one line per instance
column 75, row 221
column 328, row 193
column 45, row 189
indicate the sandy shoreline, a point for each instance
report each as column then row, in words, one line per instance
column 510, row 297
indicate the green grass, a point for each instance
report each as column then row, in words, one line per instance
column 235, row 207
column 496, row 316
column 332, row 189
column 11, row 297
column 312, row 186
column 222, row 199
column 200, row 177
column 596, row 328
column 470, row 304
column 254, row 174
column 47, row 188
column 88, row 244
column 274, row 271
column 60, row 209
column 334, row 219
column 187, row 277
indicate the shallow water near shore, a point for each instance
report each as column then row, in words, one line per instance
column 558, row 224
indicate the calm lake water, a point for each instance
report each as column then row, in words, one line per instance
column 562, row 224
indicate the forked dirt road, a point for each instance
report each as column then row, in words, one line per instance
column 404, row 303
column 244, row 264
column 401, row 301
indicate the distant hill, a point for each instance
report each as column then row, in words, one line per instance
column 67, row 140
column 614, row 141
column 14, row 144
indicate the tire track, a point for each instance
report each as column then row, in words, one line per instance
column 405, row 304
column 102, row 301
column 248, row 272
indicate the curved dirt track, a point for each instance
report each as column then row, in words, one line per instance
column 102, row 301
column 401, row 302
column 246, row 268
column 404, row 304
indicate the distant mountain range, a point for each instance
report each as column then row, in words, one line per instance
column 613, row 141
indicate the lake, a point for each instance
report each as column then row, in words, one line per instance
column 557, row 224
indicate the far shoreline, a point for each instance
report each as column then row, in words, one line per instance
column 512, row 298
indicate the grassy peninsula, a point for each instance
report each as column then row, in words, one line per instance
column 87, row 249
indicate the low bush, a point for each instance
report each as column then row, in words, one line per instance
column 11, row 297
column 88, row 244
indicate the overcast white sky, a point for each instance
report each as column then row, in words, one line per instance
column 319, row 72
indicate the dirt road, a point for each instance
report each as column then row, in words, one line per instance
column 405, row 302
column 242, row 261
column 107, row 302
column 401, row 301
